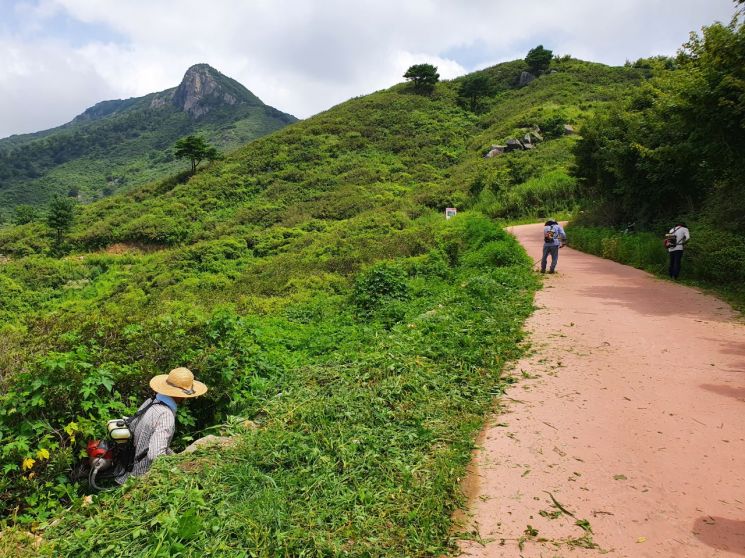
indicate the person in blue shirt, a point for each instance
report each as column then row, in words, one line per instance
column 554, row 238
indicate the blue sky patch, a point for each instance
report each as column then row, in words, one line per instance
column 20, row 19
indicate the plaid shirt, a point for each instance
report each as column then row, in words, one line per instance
column 152, row 433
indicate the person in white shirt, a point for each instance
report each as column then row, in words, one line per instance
column 674, row 240
column 154, row 427
column 554, row 238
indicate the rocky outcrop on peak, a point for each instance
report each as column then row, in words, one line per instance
column 204, row 88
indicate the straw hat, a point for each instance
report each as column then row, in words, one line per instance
column 179, row 382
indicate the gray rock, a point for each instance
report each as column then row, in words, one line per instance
column 161, row 99
column 210, row 441
column 525, row 78
column 532, row 137
column 514, row 145
column 569, row 129
column 495, row 150
column 199, row 88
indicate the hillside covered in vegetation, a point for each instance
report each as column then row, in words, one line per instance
column 120, row 144
column 671, row 150
column 311, row 280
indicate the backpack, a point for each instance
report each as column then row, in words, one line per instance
column 671, row 239
column 550, row 235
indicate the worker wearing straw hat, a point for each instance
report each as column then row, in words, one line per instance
column 154, row 426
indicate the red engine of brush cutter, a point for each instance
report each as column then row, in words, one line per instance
column 101, row 455
column 99, row 449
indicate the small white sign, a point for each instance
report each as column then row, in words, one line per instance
column 450, row 212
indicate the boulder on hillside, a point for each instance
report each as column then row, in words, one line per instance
column 514, row 145
column 210, row 441
column 532, row 138
column 525, row 79
column 569, row 129
column 495, row 150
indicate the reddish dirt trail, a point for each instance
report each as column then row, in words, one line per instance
column 632, row 416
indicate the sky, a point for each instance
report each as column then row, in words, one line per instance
column 59, row 57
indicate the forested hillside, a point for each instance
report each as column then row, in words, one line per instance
column 311, row 280
column 672, row 150
column 119, row 144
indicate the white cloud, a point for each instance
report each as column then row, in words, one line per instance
column 303, row 56
column 45, row 84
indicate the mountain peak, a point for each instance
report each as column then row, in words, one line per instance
column 203, row 88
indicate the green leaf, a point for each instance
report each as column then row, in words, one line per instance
column 189, row 525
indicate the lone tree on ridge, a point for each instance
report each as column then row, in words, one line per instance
column 196, row 149
column 423, row 76
column 539, row 59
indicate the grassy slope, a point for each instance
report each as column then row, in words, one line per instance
column 261, row 282
column 537, row 183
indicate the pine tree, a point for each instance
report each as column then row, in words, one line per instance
column 539, row 59
column 473, row 88
column 196, row 149
column 60, row 218
column 423, row 76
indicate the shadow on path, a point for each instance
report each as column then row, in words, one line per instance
column 728, row 391
column 637, row 298
column 721, row 533
column 730, row 348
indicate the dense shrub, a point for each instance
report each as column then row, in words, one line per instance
column 673, row 145
column 495, row 254
column 379, row 285
column 155, row 228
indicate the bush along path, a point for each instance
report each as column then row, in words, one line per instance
column 625, row 432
